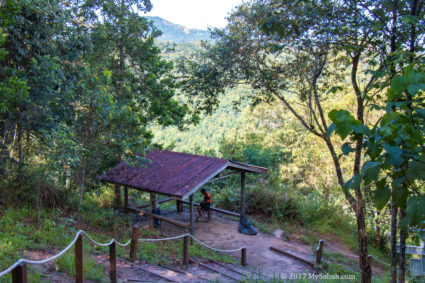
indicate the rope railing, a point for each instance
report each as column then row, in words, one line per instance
column 344, row 253
column 18, row 268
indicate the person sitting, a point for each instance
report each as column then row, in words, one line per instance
column 205, row 204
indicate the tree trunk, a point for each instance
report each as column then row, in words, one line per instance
column 82, row 185
column 393, row 278
column 362, row 238
column 377, row 229
column 402, row 264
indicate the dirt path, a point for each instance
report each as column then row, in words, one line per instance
column 223, row 233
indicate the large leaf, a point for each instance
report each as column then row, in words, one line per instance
column 395, row 155
column 381, row 195
column 352, row 183
column 399, row 83
column 370, row 171
column 344, row 122
column 415, row 212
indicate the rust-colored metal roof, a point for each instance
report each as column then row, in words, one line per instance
column 173, row 173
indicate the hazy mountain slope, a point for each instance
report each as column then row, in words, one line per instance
column 177, row 33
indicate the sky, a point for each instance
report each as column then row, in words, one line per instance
column 195, row 14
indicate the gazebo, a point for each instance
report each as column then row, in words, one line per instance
column 178, row 176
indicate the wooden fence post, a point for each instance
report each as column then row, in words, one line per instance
column 243, row 257
column 126, row 198
column 186, row 250
column 133, row 245
column 319, row 252
column 369, row 259
column 151, row 222
column 19, row 274
column 79, row 260
column 113, row 262
column 179, row 205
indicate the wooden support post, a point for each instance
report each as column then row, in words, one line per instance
column 242, row 193
column 133, row 244
column 209, row 214
column 243, row 257
column 179, row 205
column 319, row 252
column 79, row 260
column 369, row 259
column 150, row 222
column 19, row 274
column 154, row 203
column 113, row 262
column 117, row 195
column 186, row 240
column 191, row 216
column 126, row 198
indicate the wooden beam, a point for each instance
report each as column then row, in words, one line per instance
column 117, row 195
column 319, row 252
column 158, row 201
column 19, row 274
column 219, row 210
column 79, row 260
column 191, row 214
column 186, row 250
column 154, row 273
column 188, row 274
column 126, row 197
column 243, row 257
column 133, row 245
column 113, row 262
column 288, row 254
column 160, row 217
column 214, row 270
column 243, row 193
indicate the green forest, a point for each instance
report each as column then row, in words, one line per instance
column 328, row 95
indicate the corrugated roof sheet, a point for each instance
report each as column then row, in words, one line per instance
column 173, row 173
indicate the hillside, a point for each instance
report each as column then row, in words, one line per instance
column 177, row 33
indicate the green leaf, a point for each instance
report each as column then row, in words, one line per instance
column 330, row 130
column 381, row 195
column 361, row 129
column 420, row 112
column 344, row 122
column 416, row 170
column 353, row 183
column 346, row 148
column 415, row 88
column 399, row 83
column 415, row 212
column 370, row 171
column 395, row 155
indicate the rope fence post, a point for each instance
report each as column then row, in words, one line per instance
column 19, row 274
column 133, row 245
column 319, row 252
column 113, row 262
column 243, row 256
column 79, row 260
column 186, row 250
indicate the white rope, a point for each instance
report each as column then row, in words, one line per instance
column 163, row 239
column 340, row 250
column 214, row 249
column 38, row 262
column 193, row 237
column 10, row 268
column 81, row 232
column 356, row 256
column 107, row 244
column 381, row 261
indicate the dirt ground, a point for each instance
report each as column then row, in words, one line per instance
column 223, row 233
